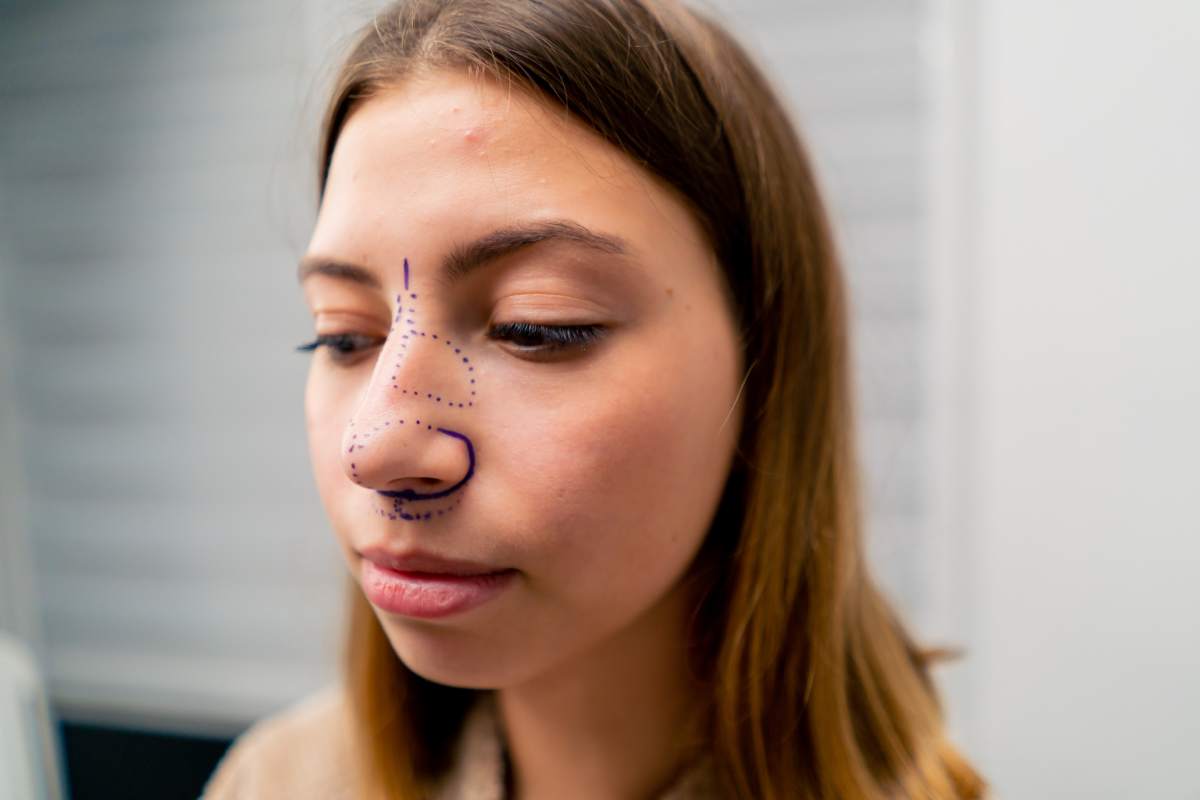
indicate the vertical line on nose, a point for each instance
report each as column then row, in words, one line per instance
column 406, row 274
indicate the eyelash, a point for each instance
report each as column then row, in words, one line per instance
column 341, row 345
column 556, row 338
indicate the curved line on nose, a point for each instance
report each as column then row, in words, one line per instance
column 412, row 494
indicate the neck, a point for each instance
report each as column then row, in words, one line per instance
column 618, row 721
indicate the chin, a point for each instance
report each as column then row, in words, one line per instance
column 451, row 657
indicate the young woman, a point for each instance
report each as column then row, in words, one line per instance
column 580, row 415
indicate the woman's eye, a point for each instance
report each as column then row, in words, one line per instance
column 546, row 339
column 343, row 347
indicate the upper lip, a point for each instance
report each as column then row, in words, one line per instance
column 421, row 561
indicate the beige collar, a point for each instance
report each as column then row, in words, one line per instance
column 480, row 763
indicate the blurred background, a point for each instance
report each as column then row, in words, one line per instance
column 1015, row 189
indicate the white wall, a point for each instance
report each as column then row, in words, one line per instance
column 1084, row 359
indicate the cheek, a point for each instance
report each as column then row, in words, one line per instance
column 626, row 468
column 326, row 411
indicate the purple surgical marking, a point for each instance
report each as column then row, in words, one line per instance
column 400, row 498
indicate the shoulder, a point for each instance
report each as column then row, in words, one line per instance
column 300, row 752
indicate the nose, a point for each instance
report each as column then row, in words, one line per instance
column 408, row 439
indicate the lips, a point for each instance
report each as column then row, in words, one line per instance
column 418, row 561
column 422, row 585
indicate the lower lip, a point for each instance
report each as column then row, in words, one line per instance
column 427, row 595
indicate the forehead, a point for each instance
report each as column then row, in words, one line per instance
column 448, row 153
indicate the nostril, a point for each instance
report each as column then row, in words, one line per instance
column 428, row 480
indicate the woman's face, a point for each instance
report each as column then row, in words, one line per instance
column 538, row 367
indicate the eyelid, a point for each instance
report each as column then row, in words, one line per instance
column 520, row 300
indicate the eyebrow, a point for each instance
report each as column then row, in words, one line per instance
column 464, row 259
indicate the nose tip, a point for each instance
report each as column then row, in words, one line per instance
column 406, row 457
column 416, row 467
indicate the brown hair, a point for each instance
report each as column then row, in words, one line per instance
column 815, row 689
